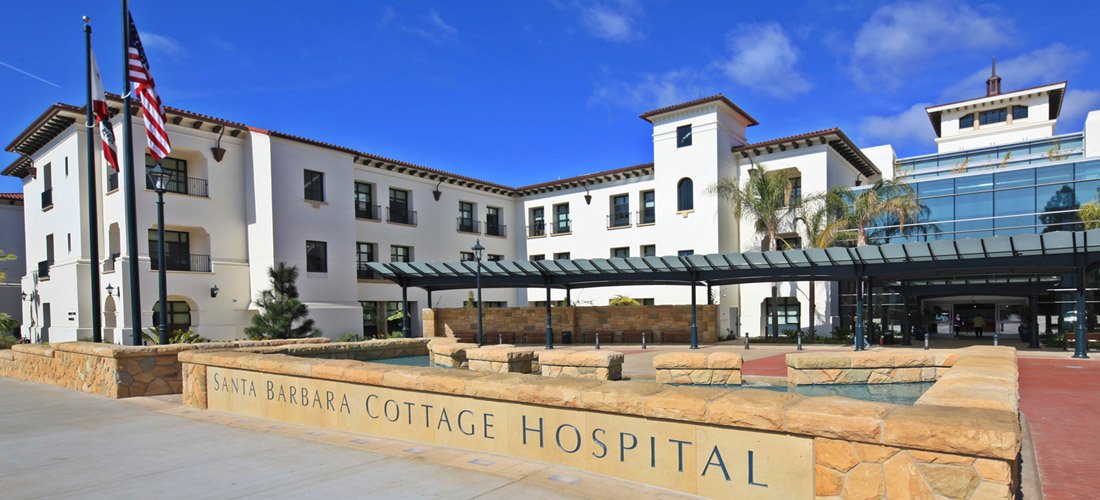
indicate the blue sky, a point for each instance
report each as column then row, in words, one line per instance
column 530, row 91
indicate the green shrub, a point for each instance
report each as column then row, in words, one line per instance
column 348, row 337
column 623, row 300
column 178, row 336
column 842, row 334
column 6, row 341
column 790, row 333
column 8, row 324
column 281, row 308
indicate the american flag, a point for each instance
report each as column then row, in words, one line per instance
column 103, row 116
column 146, row 91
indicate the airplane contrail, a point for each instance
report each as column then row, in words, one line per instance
column 43, row 80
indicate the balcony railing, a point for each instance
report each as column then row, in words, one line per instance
column 183, row 185
column 193, row 262
column 562, row 226
column 621, row 219
column 469, row 226
column 493, row 229
column 47, row 198
column 367, row 211
column 44, row 269
column 647, row 216
column 538, row 228
column 401, row 215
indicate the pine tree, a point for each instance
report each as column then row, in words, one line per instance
column 281, row 308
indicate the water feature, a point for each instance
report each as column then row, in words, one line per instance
column 405, row 361
column 899, row 394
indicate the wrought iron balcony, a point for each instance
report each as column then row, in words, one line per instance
column 183, row 185
column 562, row 226
column 469, row 226
column 538, row 228
column 367, row 211
column 193, row 262
column 647, row 216
column 401, row 215
column 493, row 229
column 618, row 219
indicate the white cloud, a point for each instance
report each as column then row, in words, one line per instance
column 163, row 45
column 430, row 26
column 652, row 90
column 899, row 38
column 763, row 58
column 907, row 127
column 1077, row 103
column 1046, row 65
column 614, row 22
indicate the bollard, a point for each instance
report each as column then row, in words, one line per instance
column 597, row 340
column 643, row 340
column 500, row 338
column 926, row 335
column 746, row 341
column 995, row 334
column 799, row 341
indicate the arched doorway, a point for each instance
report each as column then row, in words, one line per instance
column 110, row 320
column 179, row 315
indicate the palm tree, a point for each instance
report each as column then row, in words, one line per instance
column 766, row 198
column 815, row 217
column 886, row 203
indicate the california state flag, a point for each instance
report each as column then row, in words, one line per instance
column 103, row 116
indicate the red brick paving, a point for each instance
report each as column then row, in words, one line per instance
column 1061, row 398
column 771, row 366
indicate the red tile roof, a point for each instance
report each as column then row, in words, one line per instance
column 11, row 196
column 716, row 97
column 834, row 137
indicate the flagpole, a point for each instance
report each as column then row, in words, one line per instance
column 128, row 180
column 93, row 185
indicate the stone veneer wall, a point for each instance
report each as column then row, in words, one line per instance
column 655, row 320
column 600, row 365
column 111, row 370
column 860, row 449
column 698, row 368
column 879, row 366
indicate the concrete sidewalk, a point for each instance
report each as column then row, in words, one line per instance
column 60, row 443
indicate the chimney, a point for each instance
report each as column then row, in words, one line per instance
column 993, row 84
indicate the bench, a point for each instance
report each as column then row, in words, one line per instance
column 605, row 337
column 635, row 336
column 1071, row 338
column 465, row 337
column 676, row 337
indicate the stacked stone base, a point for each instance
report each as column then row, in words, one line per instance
column 447, row 353
column 870, row 367
column 697, row 368
column 599, row 365
column 502, row 358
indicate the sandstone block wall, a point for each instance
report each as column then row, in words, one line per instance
column 599, row 365
column 447, row 353
column 698, row 368
column 527, row 325
column 367, row 350
column 500, row 359
column 883, row 366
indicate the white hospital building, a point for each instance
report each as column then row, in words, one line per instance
column 244, row 198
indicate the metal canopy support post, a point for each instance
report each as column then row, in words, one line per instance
column 710, row 297
column 568, row 298
column 869, row 328
column 859, row 314
column 1081, row 341
column 1033, row 320
column 549, row 323
column 405, row 309
column 429, row 298
column 694, row 324
column 906, row 327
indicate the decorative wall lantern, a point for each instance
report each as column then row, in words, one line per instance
column 218, row 150
column 587, row 195
column 214, row 291
column 437, row 193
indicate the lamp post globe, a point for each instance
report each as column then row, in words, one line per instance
column 159, row 179
column 478, row 251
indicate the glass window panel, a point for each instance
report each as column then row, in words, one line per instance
column 1087, row 191
column 1015, row 178
column 1015, row 201
column 1060, row 173
column 1058, row 204
column 1086, row 170
column 1015, row 221
column 974, row 183
column 974, row 205
column 939, row 209
column 934, row 188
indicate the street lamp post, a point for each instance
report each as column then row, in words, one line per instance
column 159, row 179
column 478, row 250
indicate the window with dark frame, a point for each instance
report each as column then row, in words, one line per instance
column 493, row 226
column 966, row 121
column 466, row 217
column 466, row 256
column 561, row 256
column 538, row 222
column 177, row 250
column 537, row 257
column 178, row 315
column 1019, row 112
column 364, row 201
column 314, row 185
column 399, row 207
column 649, row 208
column 683, row 136
column 620, row 211
column 685, row 253
column 993, row 116
column 620, row 252
column 685, row 196
column 400, row 253
column 495, row 258
column 561, row 219
column 649, row 250
column 364, row 253
column 316, row 256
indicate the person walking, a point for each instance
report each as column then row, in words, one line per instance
column 979, row 324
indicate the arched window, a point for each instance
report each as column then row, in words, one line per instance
column 685, row 198
column 179, row 315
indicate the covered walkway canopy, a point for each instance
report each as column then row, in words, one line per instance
column 1035, row 255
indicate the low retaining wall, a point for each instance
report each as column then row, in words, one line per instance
column 500, row 359
column 883, row 366
column 111, row 370
column 698, row 368
column 616, row 324
column 447, row 353
column 700, row 440
column 599, row 365
column 366, row 350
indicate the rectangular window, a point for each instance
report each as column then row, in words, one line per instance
column 683, row 136
column 495, row 258
column 396, row 324
column 370, row 319
column 177, row 175
column 537, row 226
column 993, row 116
column 466, row 217
column 399, row 253
column 649, row 208
column 562, row 223
column 649, row 250
column 493, row 225
column 966, row 121
column 561, row 256
column 47, row 186
column 364, row 201
column 364, row 253
column 466, row 256
column 316, row 257
column 645, row 302
column 49, row 249
column 69, row 242
column 1019, row 112
column 788, row 312
column 685, row 253
column 314, row 185
column 537, row 257
column 620, row 211
column 620, row 252
column 790, row 242
column 178, row 315
column 399, row 207
column 796, row 190
column 177, row 252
